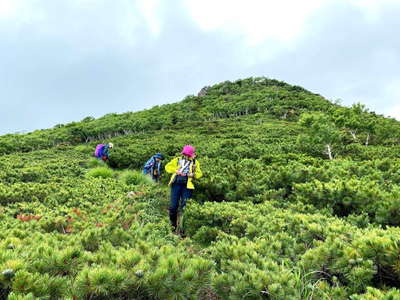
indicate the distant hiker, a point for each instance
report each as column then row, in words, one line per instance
column 153, row 166
column 103, row 151
column 183, row 169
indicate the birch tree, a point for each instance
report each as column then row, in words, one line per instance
column 357, row 121
column 321, row 133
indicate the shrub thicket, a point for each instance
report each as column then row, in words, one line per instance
column 278, row 214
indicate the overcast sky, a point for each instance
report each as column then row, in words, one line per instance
column 63, row 60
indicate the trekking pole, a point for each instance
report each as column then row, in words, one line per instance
column 178, row 222
column 180, row 228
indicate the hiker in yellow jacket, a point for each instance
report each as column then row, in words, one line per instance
column 183, row 169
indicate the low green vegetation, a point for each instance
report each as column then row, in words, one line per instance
column 300, row 199
column 100, row 172
column 135, row 178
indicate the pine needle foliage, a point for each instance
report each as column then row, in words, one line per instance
column 278, row 214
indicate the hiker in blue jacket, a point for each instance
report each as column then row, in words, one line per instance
column 153, row 166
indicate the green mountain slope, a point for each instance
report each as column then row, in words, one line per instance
column 276, row 215
column 224, row 100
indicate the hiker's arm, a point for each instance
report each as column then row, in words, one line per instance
column 106, row 152
column 148, row 165
column 198, row 173
column 172, row 166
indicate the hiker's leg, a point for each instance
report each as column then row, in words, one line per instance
column 174, row 204
column 186, row 194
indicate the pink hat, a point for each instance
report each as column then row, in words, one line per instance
column 188, row 150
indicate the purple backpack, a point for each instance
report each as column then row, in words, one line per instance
column 99, row 150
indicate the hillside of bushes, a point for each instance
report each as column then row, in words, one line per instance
column 300, row 199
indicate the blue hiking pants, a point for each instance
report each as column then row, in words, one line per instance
column 179, row 194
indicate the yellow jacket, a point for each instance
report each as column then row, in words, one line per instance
column 173, row 166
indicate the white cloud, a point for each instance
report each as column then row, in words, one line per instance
column 256, row 20
column 392, row 91
column 71, row 18
column 372, row 9
column 393, row 112
column 396, row 113
column 19, row 12
column 7, row 8
column 150, row 10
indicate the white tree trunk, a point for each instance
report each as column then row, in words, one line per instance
column 329, row 151
column 354, row 136
column 367, row 140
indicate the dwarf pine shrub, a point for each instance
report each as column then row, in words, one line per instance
column 15, row 296
column 94, row 163
column 135, row 178
column 270, row 219
column 100, row 172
